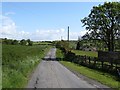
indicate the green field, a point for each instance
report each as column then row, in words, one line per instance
column 87, row 53
column 42, row 43
column 18, row 62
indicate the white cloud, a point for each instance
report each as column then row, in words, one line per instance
column 48, row 34
column 9, row 13
column 10, row 30
column 75, row 35
column 8, row 27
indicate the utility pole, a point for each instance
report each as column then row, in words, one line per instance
column 68, row 33
column 61, row 38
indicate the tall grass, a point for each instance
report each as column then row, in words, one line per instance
column 18, row 62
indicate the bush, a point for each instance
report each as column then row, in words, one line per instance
column 23, row 42
column 15, row 42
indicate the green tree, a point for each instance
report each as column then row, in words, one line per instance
column 30, row 43
column 15, row 42
column 8, row 41
column 23, row 42
column 63, row 45
column 78, row 44
column 104, row 23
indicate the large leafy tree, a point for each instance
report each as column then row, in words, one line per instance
column 104, row 23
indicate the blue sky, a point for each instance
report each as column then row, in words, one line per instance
column 44, row 20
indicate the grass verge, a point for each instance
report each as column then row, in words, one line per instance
column 0, row 65
column 103, row 78
column 18, row 62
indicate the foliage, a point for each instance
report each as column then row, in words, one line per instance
column 63, row 45
column 59, row 54
column 30, row 43
column 7, row 41
column 104, row 22
column 23, row 42
column 15, row 42
column 79, row 45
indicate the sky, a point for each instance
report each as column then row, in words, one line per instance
column 46, row 21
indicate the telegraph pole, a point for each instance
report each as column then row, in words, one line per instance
column 68, row 33
column 61, row 38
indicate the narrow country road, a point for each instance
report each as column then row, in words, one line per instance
column 51, row 74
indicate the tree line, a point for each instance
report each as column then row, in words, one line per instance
column 17, row 42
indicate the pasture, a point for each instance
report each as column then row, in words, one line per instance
column 42, row 43
column 87, row 53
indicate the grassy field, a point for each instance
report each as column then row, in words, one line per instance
column 18, row 62
column 87, row 53
column 103, row 78
column 91, row 54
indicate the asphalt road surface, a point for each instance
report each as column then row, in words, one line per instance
column 51, row 74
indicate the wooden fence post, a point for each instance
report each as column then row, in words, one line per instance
column 102, row 64
column 85, row 59
column 111, row 62
column 89, row 60
column 116, row 66
column 95, row 59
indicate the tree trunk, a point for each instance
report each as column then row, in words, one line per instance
column 109, row 41
column 112, row 35
column 109, row 46
column 112, row 42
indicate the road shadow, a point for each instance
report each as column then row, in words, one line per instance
column 52, row 59
column 49, row 59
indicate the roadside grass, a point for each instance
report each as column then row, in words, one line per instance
column 18, row 62
column 0, row 77
column 103, row 78
column 0, row 65
column 87, row 53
